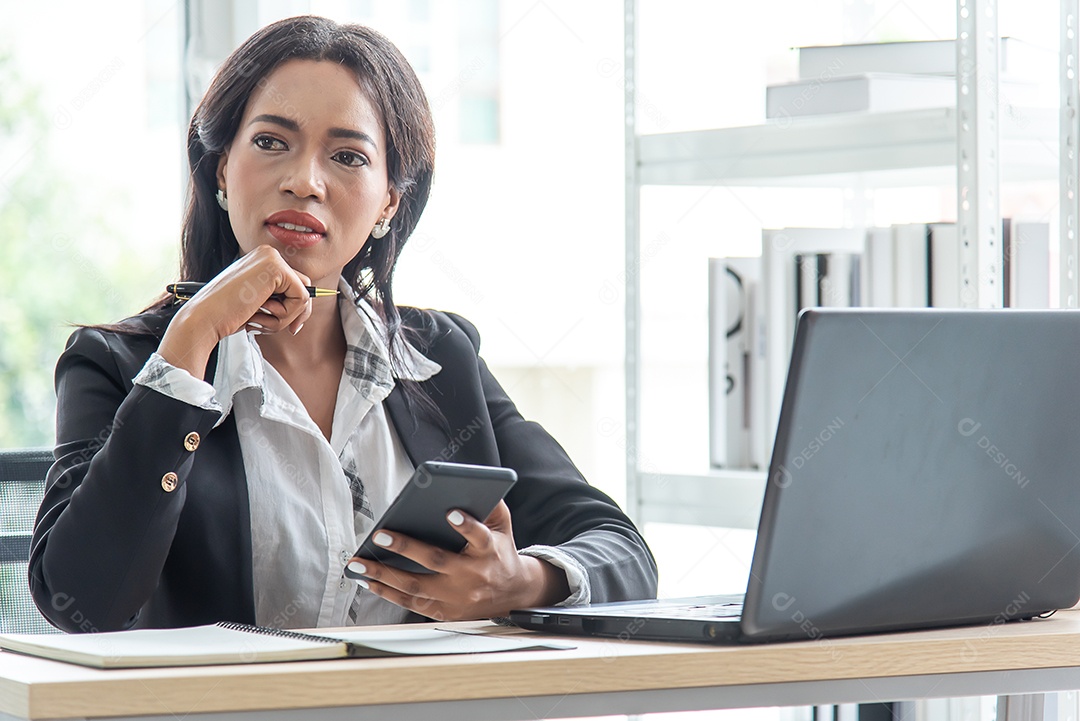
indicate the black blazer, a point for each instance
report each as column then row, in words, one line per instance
column 113, row 549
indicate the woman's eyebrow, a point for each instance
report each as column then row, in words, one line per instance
column 353, row 134
column 294, row 126
column 277, row 120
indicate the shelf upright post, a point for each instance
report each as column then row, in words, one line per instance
column 978, row 173
column 632, row 279
column 211, row 29
column 1068, row 155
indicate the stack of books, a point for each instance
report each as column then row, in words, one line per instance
column 754, row 304
column 918, row 264
column 884, row 77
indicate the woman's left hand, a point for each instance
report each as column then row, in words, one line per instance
column 487, row 579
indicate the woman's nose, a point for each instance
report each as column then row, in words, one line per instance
column 304, row 179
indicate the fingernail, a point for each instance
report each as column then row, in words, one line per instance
column 382, row 539
column 256, row 325
column 264, row 310
column 254, row 332
column 298, row 329
column 357, row 567
column 455, row 518
column 362, row 584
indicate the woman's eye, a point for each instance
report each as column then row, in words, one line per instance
column 266, row 142
column 349, row 158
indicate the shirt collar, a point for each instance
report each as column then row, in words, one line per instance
column 366, row 331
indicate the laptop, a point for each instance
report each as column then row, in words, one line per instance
column 925, row 472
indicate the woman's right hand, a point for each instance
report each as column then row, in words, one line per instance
column 238, row 297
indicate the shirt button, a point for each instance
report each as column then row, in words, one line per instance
column 345, row 556
column 169, row 482
column 342, row 585
column 191, row 441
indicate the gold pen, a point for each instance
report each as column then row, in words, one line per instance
column 184, row 291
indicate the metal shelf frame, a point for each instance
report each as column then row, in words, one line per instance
column 902, row 148
column 969, row 145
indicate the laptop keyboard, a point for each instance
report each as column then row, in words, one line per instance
column 703, row 611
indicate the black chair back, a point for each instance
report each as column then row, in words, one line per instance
column 22, row 483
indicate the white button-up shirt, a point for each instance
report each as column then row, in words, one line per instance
column 312, row 501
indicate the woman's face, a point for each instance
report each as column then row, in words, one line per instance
column 306, row 172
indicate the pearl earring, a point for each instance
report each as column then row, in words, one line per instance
column 381, row 228
column 223, row 200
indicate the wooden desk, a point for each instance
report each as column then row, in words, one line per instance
column 598, row 677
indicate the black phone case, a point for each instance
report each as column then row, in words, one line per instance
column 420, row 508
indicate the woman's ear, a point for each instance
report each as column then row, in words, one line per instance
column 223, row 160
column 393, row 200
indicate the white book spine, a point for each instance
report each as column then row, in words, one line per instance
column 807, row 281
column 1028, row 264
column 944, row 269
column 839, row 284
column 878, row 269
column 718, row 363
column 760, row 437
column 910, row 282
column 935, row 57
column 736, row 364
column 873, row 93
column 882, row 93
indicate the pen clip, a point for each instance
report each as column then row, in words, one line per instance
column 179, row 291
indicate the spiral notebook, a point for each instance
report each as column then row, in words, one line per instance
column 233, row 643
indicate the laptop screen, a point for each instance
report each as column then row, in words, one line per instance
column 925, row 472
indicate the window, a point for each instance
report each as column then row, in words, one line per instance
column 91, row 184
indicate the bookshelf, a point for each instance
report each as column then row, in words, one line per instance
column 888, row 149
column 971, row 145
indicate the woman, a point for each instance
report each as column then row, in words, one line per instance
column 218, row 459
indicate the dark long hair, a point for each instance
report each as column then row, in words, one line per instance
column 208, row 244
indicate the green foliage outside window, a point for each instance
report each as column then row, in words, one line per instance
column 50, row 275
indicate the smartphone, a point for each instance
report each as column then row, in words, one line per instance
column 420, row 509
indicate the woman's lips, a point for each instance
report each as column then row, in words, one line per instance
column 296, row 229
column 295, row 236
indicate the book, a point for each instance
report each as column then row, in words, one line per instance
column 944, row 265
column 911, row 266
column 879, row 93
column 233, row 643
column 809, row 272
column 839, row 279
column 872, row 92
column 1018, row 59
column 721, row 380
column 753, row 438
column 736, row 364
column 1026, row 270
column 878, row 269
column 826, row 280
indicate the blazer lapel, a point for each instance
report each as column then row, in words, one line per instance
column 465, row 433
column 422, row 439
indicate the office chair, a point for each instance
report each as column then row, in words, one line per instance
column 22, row 483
